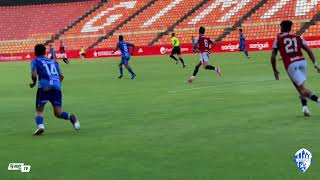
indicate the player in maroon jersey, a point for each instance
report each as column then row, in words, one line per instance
column 203, row 45
column 63, row 53
column 290, row 48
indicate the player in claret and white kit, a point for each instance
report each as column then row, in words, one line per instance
column 63, row 53
column 290, row 48
column 203, row 45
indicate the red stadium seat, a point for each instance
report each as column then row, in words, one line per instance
column 215, row 16
column 264, row 24
column 116, row 11
column 141, row 30
column 23, row 26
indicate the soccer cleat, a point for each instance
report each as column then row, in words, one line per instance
column 39, row 131
column 306, row 112
column 190, row 80
column 133, row 76
column 75, row 122
column 183, row 66
column 120, row 76
column 219, row 70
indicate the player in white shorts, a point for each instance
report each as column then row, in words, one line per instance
column 290, row 48
column 297, row 72
column 203, row 45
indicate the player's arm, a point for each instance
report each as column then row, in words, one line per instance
column 34, row 74
column 61, row 77
column 59, row 71
column 174, row 42
column 194, row 45
column 116, row 49
column 133, row 47
column 274, row 63
column 33, row 78
column 311, row 56
column 213, row 44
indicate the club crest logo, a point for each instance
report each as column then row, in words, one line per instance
column 302, row 158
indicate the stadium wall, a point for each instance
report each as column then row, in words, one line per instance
column 221, row 47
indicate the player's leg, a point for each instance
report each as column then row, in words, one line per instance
column 120, row 69
column 41, row 100
column 246, row 53
column 303, row 101
column 126, row 64
column 64, row 58
column 83, row 55
column 173, row 52
column 56, row 101
column 66, row 116
column 244, row 50
column 297, row 73
column 196, row 69
column 206, row 65
column 133, row 75
column 181, row 60
column 39, row 121
column 305, row 92
column 178, row 51
column 304, row 104
column 205, row 62
column 195, row 72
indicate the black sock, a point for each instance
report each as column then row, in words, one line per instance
column 314, row 98
column 181, row 61
column 173, row 57
column 303, row 101
column 210, row 67
column 246, row 53
column 196, row 69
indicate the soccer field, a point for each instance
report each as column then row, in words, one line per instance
column 242, row 126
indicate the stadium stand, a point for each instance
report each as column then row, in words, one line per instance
column 33, row 2
column 97, row 23
column 269, row 16
column 313, row 30
column 152, row 21
column 216, row 16
column 89, row 30
column 19, row 33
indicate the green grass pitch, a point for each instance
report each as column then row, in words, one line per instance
column 242, row 126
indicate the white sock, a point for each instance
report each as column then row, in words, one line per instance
column 41, row 126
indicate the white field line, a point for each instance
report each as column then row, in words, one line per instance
column 220, row 85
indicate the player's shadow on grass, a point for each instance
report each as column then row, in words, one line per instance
column 312, row 117
column 65, row 133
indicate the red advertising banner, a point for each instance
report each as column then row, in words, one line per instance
column 221, row 47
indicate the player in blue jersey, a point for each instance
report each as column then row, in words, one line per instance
column 49, row 76
column 52, row 52
column 125, row 56
column 242, row 46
